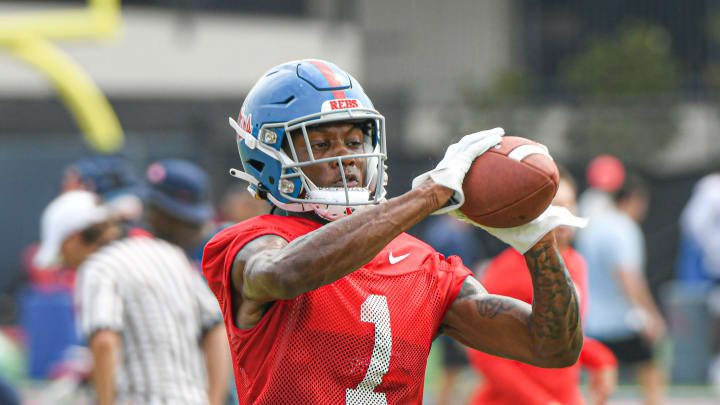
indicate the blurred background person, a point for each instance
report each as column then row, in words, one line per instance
column 506, row 382
column 47, row 302
column 112, row 178
column 152, row 325
column 622, row 312
column 604, row 175
column 451, row 237
column 699, row 257
column 178, row 204
column 700, row 226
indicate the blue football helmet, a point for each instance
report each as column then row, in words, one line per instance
column 289, row 99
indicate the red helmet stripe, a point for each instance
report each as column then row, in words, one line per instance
column 330, row 77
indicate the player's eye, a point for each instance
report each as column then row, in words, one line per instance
column 354, row 141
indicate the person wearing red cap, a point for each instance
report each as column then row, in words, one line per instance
column 605, row 174
column 622, row 312
column 511, row 382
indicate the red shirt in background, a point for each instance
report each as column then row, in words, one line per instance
column 512, row 382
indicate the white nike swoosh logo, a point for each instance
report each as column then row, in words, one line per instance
column 398, row 259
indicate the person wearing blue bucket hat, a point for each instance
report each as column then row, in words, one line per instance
column 178, row 210
column 177, row 202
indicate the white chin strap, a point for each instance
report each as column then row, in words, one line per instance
column 336, row 207
column 337, row 200
column 339, row 209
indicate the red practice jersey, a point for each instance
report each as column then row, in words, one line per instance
column 363, row 339
column 512, row 382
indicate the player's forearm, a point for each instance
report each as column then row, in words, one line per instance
column 105, row 386
column 339, row 248
column 637, row 290
column 555, row 321
column 105, row 349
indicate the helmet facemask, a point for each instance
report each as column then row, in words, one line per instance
column 335, row 202
column 330, row 203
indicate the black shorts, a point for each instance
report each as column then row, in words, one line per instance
column 630, row 350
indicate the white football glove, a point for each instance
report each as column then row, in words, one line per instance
column 451, row 170
column 523, row 237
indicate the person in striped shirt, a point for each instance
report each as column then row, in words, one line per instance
column 152, row 325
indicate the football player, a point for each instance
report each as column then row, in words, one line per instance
column 327, row 300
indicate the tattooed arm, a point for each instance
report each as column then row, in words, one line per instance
column 548, row 334
column 269, row 268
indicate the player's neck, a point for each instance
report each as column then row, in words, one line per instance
column 311, row 215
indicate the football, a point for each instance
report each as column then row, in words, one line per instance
column 510, row 184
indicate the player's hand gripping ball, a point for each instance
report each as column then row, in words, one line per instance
column 511, row 184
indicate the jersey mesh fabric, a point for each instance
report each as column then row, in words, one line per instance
column 363, row 339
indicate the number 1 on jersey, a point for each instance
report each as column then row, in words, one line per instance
column 374, row 310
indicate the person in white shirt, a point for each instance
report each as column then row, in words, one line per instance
column 152, row 325
column 622, row 313
column 700, row 254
